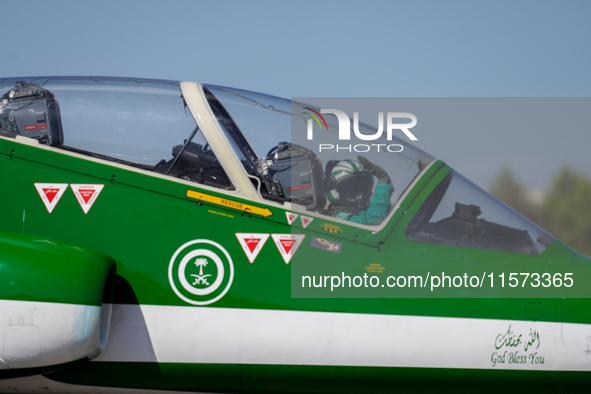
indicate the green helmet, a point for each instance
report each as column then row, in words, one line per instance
column 348, row 184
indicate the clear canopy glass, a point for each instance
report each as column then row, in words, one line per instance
column 269, row 134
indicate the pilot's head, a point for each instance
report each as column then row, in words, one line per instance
column 348, row 184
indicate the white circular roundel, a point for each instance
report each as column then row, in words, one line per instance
column 201, row 272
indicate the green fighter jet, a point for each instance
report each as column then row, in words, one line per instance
column 175, row 236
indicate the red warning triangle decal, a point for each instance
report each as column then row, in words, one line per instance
column 252, row 243
column 288, row 244
column 306, row 220
column 291, row 217
column 86, row 195
column 50, row 193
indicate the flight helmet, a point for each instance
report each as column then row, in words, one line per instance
column 348, row 184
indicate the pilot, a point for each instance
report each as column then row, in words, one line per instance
column 350, row 183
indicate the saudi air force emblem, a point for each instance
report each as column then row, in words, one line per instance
column 201, row 272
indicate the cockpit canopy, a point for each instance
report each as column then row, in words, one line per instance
column 148, row 125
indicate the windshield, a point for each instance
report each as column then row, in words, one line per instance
column 359, row 183
column 460, row 213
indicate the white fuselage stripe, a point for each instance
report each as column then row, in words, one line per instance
column 168, row 334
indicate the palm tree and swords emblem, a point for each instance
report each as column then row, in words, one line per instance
column 201, row 271
column 201, row 278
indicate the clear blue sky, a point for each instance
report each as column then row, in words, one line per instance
column 334, row 48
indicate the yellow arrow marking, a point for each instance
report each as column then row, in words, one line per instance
column 264, row 212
